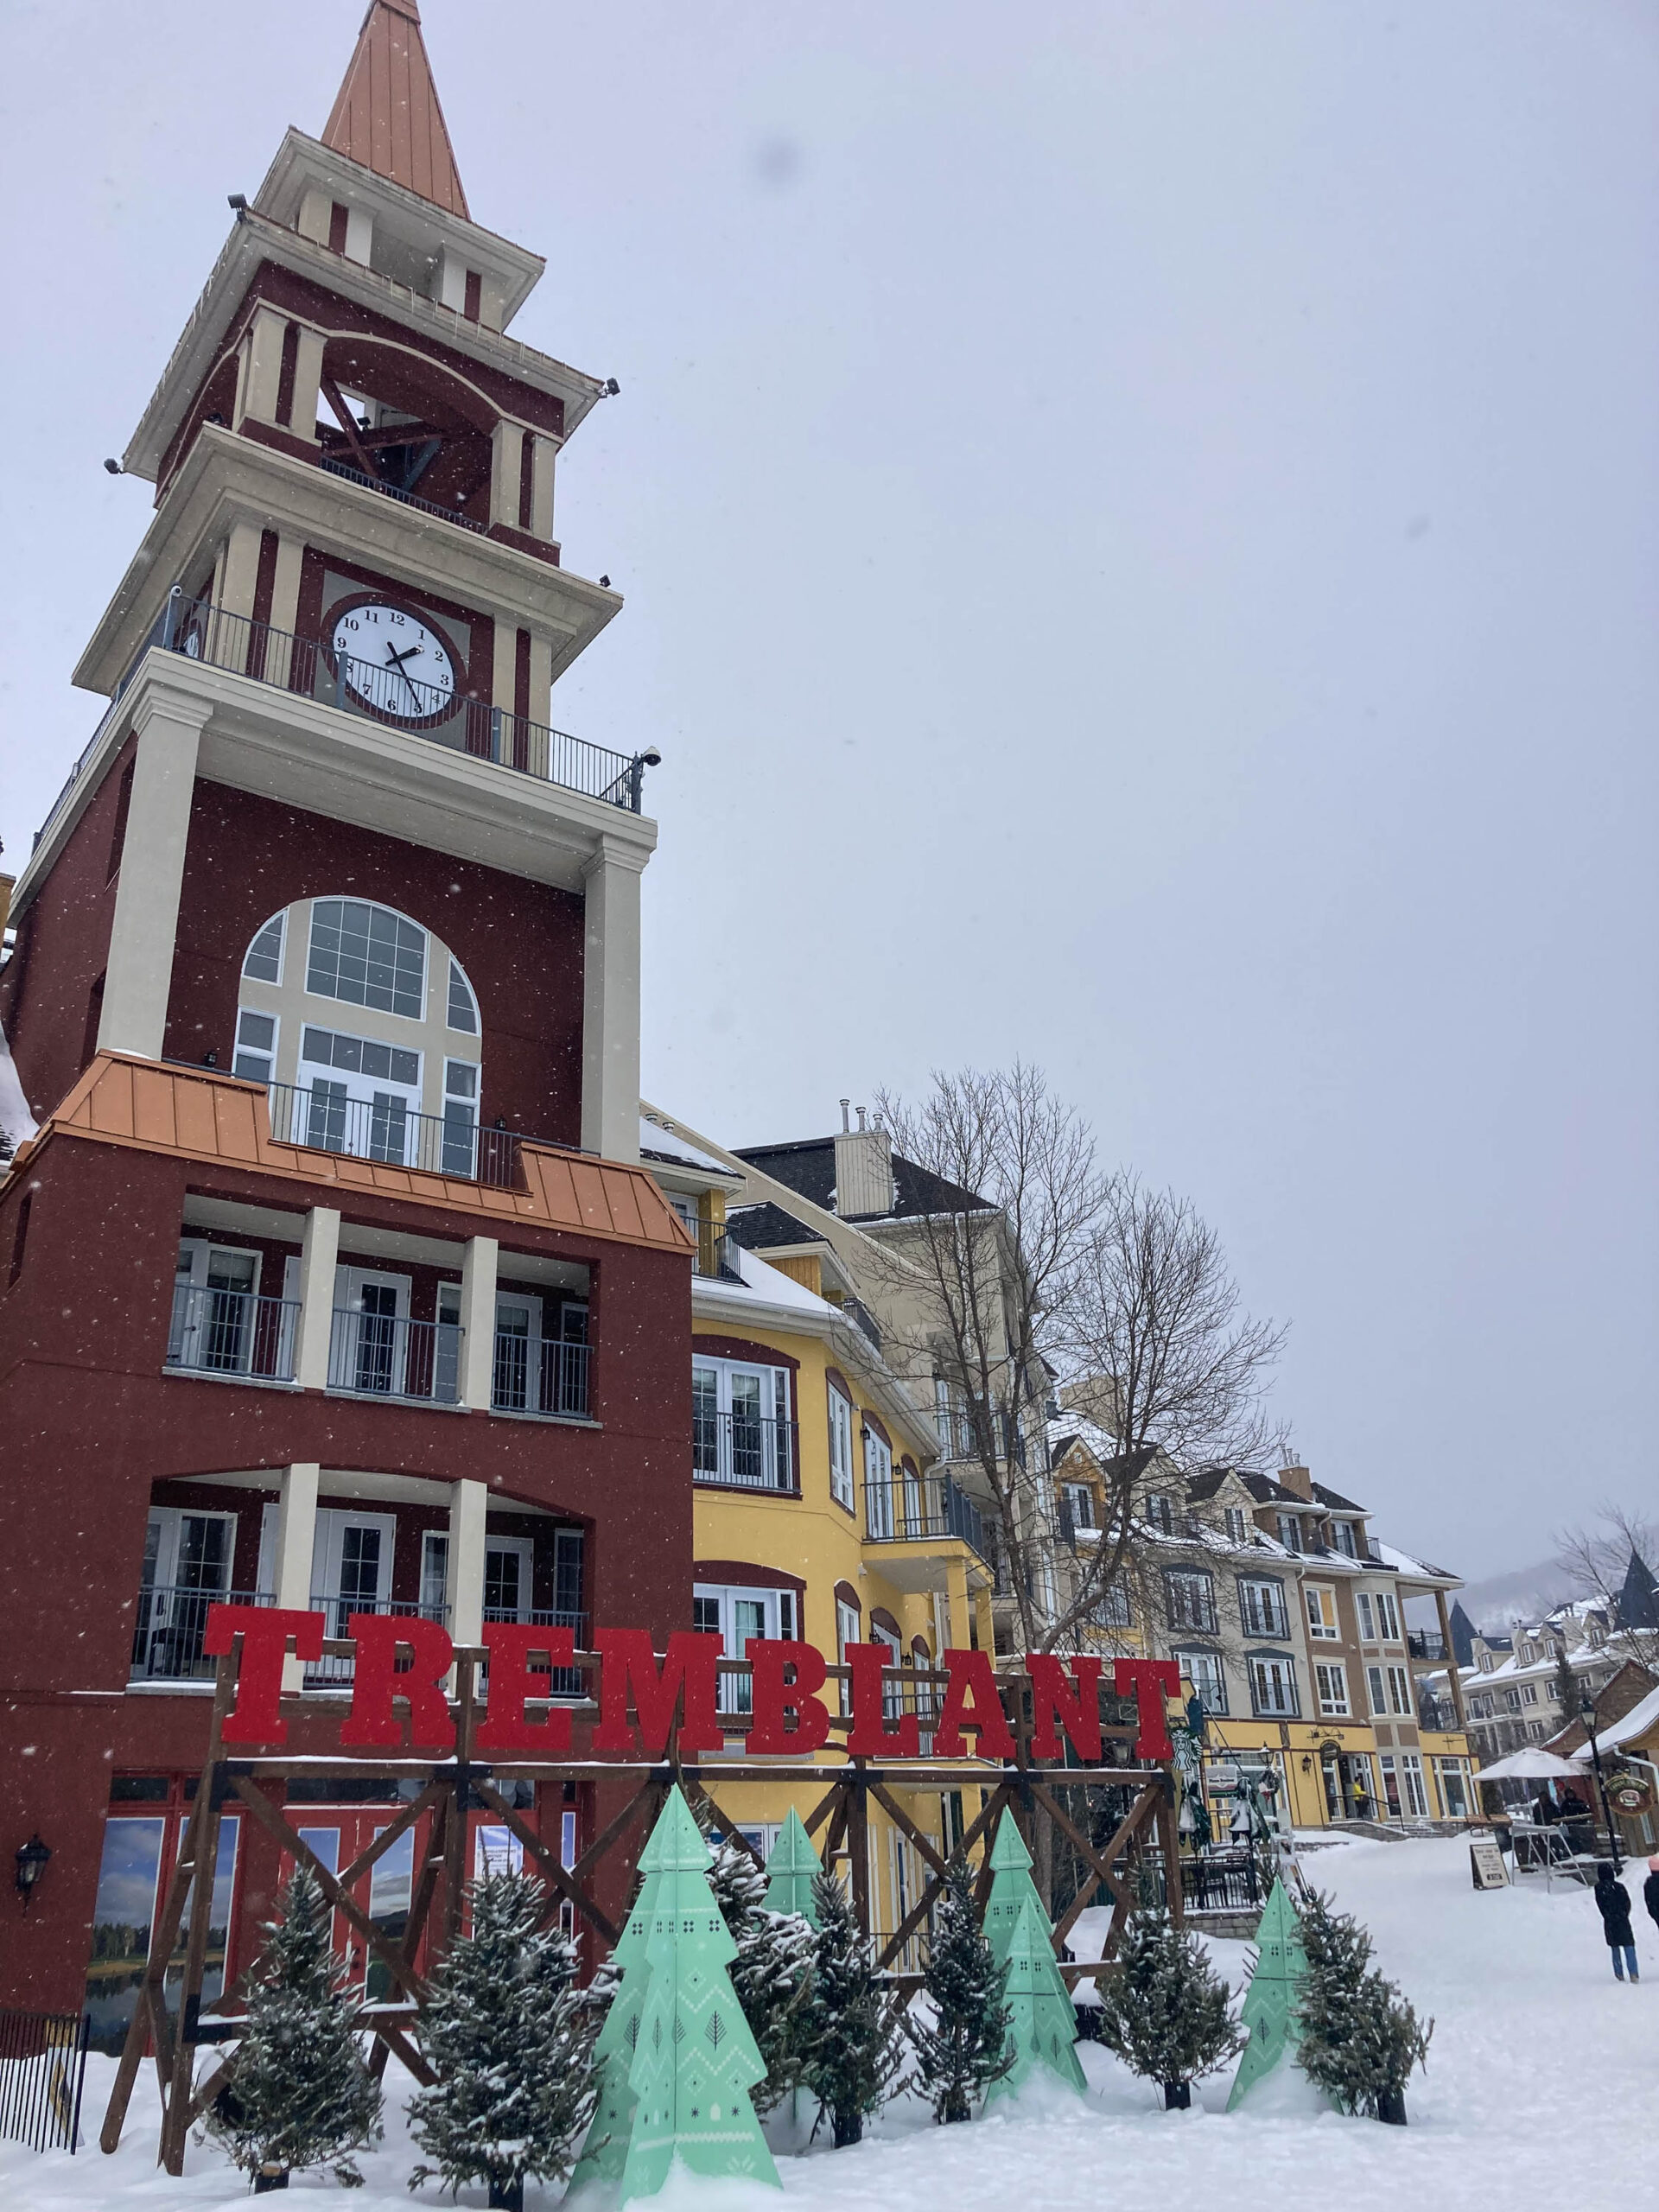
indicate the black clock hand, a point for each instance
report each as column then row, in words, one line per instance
column 398, row 660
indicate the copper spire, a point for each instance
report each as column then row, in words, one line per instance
column 386, row 114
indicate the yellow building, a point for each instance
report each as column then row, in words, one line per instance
column 819, row 1510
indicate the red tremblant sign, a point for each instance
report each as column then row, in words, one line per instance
column 788, row 1716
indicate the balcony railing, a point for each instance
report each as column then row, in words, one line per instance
column 749, row 1451
column 548, row 1377
column 338, row 1606
column 566, row 1681
column 168, row 1631
column 233, row 1332
column 321, row 1117
column 918, row 1509
column 384, row 1356
column 396, row 491
column 1425, row 1643
column 717, row 1253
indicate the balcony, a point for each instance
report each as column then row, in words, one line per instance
column 232, row 1332
column 171, row 1621
column 717, row 1253
column 1424, row 1644
column 547, row 1379
column 923, row 1509
column 745, row 1451
column 201, row 632
column 384, row 1356
column 451, row 1144
column 566, row 1681
column 334, row 1670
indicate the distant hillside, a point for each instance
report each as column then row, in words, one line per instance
column 1523, row 1595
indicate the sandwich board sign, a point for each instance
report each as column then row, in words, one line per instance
column 1486, row 1863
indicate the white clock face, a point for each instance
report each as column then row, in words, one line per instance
column 394, row 662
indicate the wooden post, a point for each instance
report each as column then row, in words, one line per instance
column 858, row 1846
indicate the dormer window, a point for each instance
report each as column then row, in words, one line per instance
column 1161, row 1512
column 1344, row 1532
column 1290, row 1532
column 1238, row 1525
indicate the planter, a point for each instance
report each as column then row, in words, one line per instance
column 1178, row 2097
column 1391, row 2108
column 264, row 2183
column 507, row 2196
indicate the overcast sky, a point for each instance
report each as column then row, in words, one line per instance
column 1141, row 531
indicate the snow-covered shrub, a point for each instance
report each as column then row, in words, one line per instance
column 1356, row 2039
column 967, row 2047
column 299, row 2093
column 849, row 2052
column 1163, row 2008
column 770, row 1974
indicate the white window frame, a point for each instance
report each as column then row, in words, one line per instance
column 1367, row 1620
column 277, row 921
column 265, row 1054
column 1213, row 1660
column 435, row 1570
column 1377, row 1693
column 775, row 1414
column 170, row 1520
column 849, row 1629
column 334, row 998
column 196, row 1255
column 1400, row 1698
column 1074, row 1491
column 1183, row 1575
column 327, row 1559
column 1290, row 1533
column 1331, row 1688
column 1387, row 1618
column 524, row 1550
column 1411, row 1767
column 878, row 1486
column 1236, row 1523
column 1161, row 1512
column 1320, row 1600
column 842, row 1480
column 1250, row 1583
column 1287, row 1708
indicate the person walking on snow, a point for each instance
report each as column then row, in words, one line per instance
column 1650, row 1889
column 1613, row 1903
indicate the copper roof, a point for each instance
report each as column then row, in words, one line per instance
column 386, row 113
column 203, row 1114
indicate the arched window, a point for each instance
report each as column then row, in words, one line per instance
column 367, row 1030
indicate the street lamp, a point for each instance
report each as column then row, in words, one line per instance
column 1587, row 1716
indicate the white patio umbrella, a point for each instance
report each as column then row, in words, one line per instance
column 1534, row 1765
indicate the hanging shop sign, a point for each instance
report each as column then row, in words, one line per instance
column 1630, row 1794
column 403, row 1660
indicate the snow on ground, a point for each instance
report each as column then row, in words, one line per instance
column 1543, row 2074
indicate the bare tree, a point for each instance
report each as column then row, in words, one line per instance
column 1025, row 1263
column 1611, row 1559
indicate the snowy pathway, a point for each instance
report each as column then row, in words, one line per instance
column 1543, row 2081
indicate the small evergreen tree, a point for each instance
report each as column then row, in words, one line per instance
column 510, row 2037
column 848, row 2050
column 770, row 1974
column 967, row 2047
column 1164, row 2009
column 300, row 2093
column 1566, row 1686
column 1356, row 2039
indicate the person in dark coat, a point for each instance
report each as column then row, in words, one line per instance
column 1650, row 1888
column 1614, row 1903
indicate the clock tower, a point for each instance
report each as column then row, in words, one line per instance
column 330, row 1278
column 333, row 660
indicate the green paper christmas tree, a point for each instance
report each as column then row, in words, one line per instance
column 1270, row 2002
column 1044, row 2029
column 677, row 2028
column 791, row 1870
column 1044, row 2025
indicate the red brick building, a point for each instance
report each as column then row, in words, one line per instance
column 331, row 1278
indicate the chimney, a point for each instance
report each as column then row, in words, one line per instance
column 863, row 1172
column 1298, row 1480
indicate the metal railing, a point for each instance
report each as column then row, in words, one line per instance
column 1437, row 1715
column 396, row 491
column 545, row 1376
column 380, row 690
column 233, row 1332
column 717, row 1253
column 170, row 1622
column 1226, row 1882
column 384, row 1356
column 321, row 1117
column 339, row 1605
column 42, row 2069
column 1425, row 1643
column 565, row 1681
column 917, row 1508
column 749, row 1451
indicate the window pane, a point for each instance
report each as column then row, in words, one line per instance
column 122, row 1916
column 367, row 956
column 265, row 959
column 463, row 1012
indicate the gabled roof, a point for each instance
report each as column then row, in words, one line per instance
column 760, row 1228
column 809, row 1165
column 386, row 113
column 1335, row 1499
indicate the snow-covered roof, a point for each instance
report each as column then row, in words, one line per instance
column 1403, row 1563
column 659, row 1143
column 14, row 1117
column 767, row 1285
column 1639, row 1721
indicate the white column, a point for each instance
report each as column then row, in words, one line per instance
column 138, row 978
column 360, row 234
column 478, row 1271
column 297, row 1531
column 307, row 382
column 541, row 487
column 610, row 1003
column 508, row 443
column 319, row 1258
column 261, row 377
column 464, row 1587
